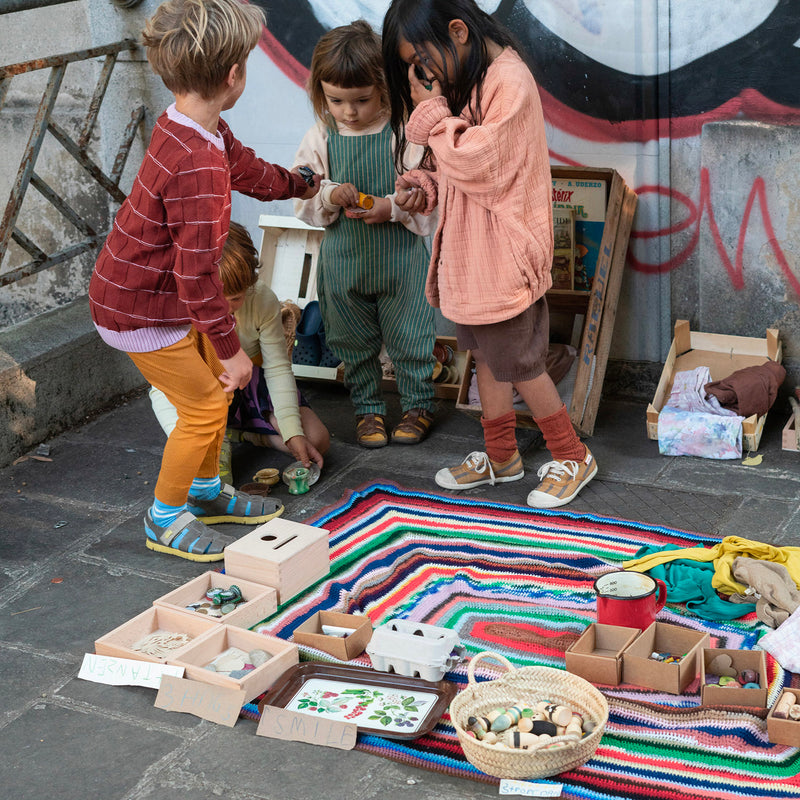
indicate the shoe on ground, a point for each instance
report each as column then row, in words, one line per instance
column 371, row 430
column 561, row 481
column 187, row 538
column 478, row 469
column 231, row 505
column 413, row 427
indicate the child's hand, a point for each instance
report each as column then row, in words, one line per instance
column 311, row 178
column 238, row 371
column 304, row 451
column 345, row 195
column 422, row 89
column 381, row 211
column 410, row 197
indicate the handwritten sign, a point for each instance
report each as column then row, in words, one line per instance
column 527, row 789
column 214, row 703
column 125, row 671
column 279, row 723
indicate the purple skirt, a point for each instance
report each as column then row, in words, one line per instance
column 251, row 407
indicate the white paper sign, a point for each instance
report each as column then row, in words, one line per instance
column 527, row 789
column 125, row 671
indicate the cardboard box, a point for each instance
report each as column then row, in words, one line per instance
column 597, row 654
column 595, row 310
column 118, row 642
column 783, row 731
column 260, row 601
column 723, row 355
column 352, row 645
column 285, row 555
column 195, row 657
column 742, row 659
column 638, row 669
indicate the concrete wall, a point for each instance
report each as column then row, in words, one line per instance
column 696, row 111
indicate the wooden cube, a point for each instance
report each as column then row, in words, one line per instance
column 118, row 642
column 260, row 601
column 288, row 556
column 195, row 657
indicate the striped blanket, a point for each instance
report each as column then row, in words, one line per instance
column 519, row 582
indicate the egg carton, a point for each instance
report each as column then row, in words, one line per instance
column 415, row 649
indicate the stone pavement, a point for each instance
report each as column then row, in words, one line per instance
column 74, row 567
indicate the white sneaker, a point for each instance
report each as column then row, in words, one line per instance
column 478, row 469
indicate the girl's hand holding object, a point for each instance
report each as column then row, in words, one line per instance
column 423, row 89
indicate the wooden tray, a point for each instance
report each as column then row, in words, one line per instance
column 311, row 686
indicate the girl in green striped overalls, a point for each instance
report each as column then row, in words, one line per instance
column 373, row 260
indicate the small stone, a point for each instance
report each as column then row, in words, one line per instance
column 238, row 673
column 258, row 657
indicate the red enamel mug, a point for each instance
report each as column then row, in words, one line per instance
column 630, row 599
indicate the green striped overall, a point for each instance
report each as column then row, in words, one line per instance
column 371, row 285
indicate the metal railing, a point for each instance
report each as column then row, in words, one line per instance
column 77, row 148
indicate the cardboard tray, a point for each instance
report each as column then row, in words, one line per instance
column 638, row 669
column 723, row 355
column 310, row 633
column 783, row 731
column 742, row 659
column 260, row 601
column 597, row 654
column 291, row 682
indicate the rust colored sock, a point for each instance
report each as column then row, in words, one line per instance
column 560, row 436
column 500, row 436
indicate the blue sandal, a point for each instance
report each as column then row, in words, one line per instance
column 187, row 537
column 231, row 505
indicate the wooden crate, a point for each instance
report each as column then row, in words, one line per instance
column 723, row 354
column 597, row 308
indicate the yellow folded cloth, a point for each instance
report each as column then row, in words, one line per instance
column 723, row 555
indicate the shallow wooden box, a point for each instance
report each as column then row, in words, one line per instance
column 260, row 601
column 118, row 642
column 789, row 438
column 288, row 556
column 597, row 654
column 783, row 731
column 723, row 355
column 346, row 648
column 196, row 656
column 639, row 669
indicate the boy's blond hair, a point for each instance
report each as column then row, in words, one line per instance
column 349, row 57
column 237, row 267
column 192, row 44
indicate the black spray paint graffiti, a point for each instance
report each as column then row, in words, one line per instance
column 754, row 76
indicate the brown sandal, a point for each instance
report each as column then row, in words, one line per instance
column 371, row 431
column 413, row 426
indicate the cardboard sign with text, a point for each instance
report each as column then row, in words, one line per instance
column 279, row 723
column 125, row 671
column 214, row 703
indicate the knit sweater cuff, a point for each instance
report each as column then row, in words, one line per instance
column 424, row 117
column 226, row 346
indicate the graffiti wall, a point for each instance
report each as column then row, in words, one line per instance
column 694, row 107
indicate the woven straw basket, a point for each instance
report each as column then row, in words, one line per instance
column 526, row 686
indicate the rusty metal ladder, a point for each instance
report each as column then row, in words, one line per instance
column 43, row 124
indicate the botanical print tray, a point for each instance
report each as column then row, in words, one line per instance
column 382, row 703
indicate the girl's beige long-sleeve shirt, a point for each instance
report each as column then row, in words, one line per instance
column 493, row 248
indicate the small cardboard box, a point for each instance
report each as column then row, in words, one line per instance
column 742, row 659
column 198, row 654
column 118, row 642
column 638, row 669
column 260, row 601
column 783, row 731
column 287, row 556
column 352, row 645
column 723, row 355
column 597, row 654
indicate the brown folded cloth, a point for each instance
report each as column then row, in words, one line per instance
column 751, row 390
column 774, row 591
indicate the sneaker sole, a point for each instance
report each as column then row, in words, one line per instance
column 556, row 502
column 210, row 520
column 373, row 445
column 459, row 486
column 173, row 551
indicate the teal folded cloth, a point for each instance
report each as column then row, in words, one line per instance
column 689, row 582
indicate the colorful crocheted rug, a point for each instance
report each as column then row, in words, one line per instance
column 519, row 582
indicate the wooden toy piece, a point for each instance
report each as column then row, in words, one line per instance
column 722, row 665
column 515, row 739
column 511, row 716
column 490, row 737
column 285, row 555
column 794, row 712
column 543, row 726
column 560, row 715
column 525, row 725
